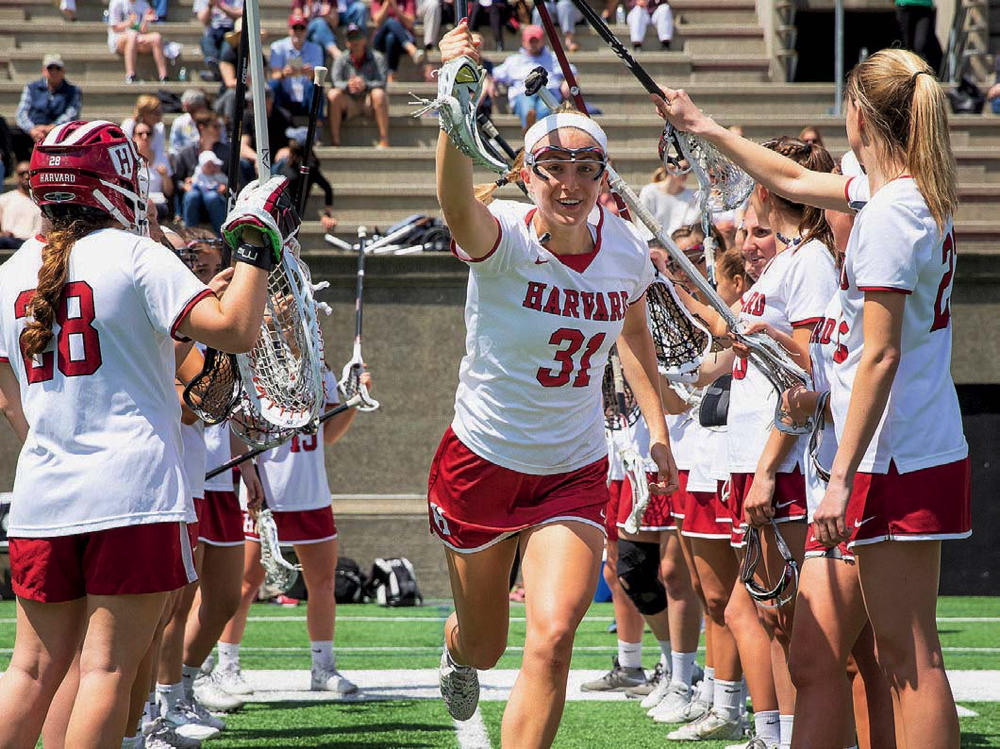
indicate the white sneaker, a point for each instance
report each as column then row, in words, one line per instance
column 205, row 717
column 161, row 735
column 754, row 743
column 654, row 698
column 331, row 680
column 208, row 665
column 674, row 703
column 700, row 703
column 187, row 723
column 459, row 688
column 213, row 697
column 230, row 680
column 710, row 726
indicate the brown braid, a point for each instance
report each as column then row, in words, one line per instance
column 484, row 193
column 812, row 224
column 66, row 230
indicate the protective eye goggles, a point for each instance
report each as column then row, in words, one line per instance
column 695, row 253
column 586, row 163
column 784, row 590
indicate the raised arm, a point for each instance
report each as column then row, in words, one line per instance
column 771, row 169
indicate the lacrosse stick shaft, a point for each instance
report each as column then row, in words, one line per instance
column 560, row 53
column 461, row 10
column 250, row 454
column 359, row 291
column 319, row 76
column 239, row 106
column 257, row 81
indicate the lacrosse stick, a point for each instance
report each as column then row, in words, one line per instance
column 239, row 106
column 319, row 76
column 252, row 29
column 350, row 381
column 557, row 48
column 278, row 572
column 621, row 417
column 816, row 438
column 460, row 85
column 780, row 593
column 213, row 393
column 681, row 342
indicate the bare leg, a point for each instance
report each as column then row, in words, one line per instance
column 684, row 609
column 873, row 713
column 126, row 48
column 253, row 578
column 319, row 566
column 560, row 574
column 627, row 618
column 754, row 648
column 380, row 103
column 57, row 719
column 338, row 101
column 219, row 599
column 716, row 566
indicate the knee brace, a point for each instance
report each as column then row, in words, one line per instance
column 639, row 574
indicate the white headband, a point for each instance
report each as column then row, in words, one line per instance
column 564, row 119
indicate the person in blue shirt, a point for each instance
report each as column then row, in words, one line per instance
column 49, row 101
column 292, row 62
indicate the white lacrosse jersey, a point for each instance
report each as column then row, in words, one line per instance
column 218, row 451
column 707, row 444
column 538, row 331
column 683, row 438
column 104, row 440
column 793, row 290
column 896, row 245
column 821, row 345
column 195, row 457
column 293, row 474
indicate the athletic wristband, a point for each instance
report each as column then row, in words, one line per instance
column 259, row 257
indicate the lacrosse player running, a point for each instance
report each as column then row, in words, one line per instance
column 524, row 461
column 900, row 478
column 293, row 481
column 96, row 545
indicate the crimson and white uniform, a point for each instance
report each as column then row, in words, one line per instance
column 539, row 328
column 221, row 520
column 296, row 488
column 104, row 446
column 659, row 514
column 193, row 443
column 913, row 478
column 792, row 292
column 704, row 510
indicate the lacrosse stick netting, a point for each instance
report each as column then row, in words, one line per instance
column 681, row 342
column 213, row 393
column 621, row 415
column 278, row 572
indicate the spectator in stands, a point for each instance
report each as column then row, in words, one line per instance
column 184, row 132
column 394, row 24
column 278, row 124
column 993, row 95
column 916, row 20
column 512, row 72
column 209, row 139
column 656, row 11
column 68, row 9
column 499, row 13
column 289, row 168
column 433, row 13
column 6, row 152
column 224, row 102
column 129, row 34
column 669, row 199
column 568, row 17
column 810, row 135
column 149, row 110
column 292, row 62
column 218, row 17
column 49, row 101
column 161, row 183
column 20, row 218
column 358, row 89
column 206, row 193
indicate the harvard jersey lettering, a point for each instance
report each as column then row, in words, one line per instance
column 895, row 245
column 293, row 474
column 104, row 445
column 793, row 290
column 539, row 328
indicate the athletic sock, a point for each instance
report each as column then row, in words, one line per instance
column 229, row 655
column 682, row 667
column 188, row 675
column 726, row 698
column 664, row 653
column 766, row 726
column 132, row 742
column 785, row 723
column 168, row 695
column 151, row 711
column 630, row 654
column 707, row 688
column 322, row 653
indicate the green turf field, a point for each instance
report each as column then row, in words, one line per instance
column 373, row 638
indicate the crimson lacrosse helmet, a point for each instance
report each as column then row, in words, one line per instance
column 92, row 165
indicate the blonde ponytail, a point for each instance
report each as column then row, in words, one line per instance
column 484, row 192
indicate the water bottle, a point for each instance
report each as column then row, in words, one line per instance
column 182, row 75
column 620, row 15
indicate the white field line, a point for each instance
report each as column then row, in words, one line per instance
column 471, row 733
column 397, row 684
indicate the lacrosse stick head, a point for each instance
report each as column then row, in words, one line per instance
column 282, row 372
column 614, row 418
column 636, row 473
column 213, row 393
column 724, row 186
column 536, row 80
column 351, row 385
column 782, row 372
column 681, row 342
column 785, row 588
column 253, row 428
column 460, row 86
column 277, row 571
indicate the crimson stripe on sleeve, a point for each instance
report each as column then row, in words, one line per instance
column 884, row 288
column 467, row 259
column 810, row 321
column 187, row 311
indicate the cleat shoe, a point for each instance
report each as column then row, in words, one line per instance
column 330, row 680
column 459, row 687
column 185, row 722
column 700, row 703
column 754, row 743
column 671, row 708
column 698, row 675
column 711, row 725
column 652, row 682
column 212, row 697
column 284, row 601
column 161, row 735
column 205, row 717
column 656, row 696
column 618, row 679
column 208, row 665
column 231, row 681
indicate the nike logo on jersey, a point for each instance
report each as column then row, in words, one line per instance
column 859, row 523
column 540, row 261
column 589, row 305
column 782, row 505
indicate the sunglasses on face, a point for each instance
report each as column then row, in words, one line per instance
column 298, row 28
column 50, row 68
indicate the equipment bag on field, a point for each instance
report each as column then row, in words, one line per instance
column 350, row 582
column 393, row 583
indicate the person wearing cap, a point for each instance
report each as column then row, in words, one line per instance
column 359, row 79
column 207, row 192
column 513, row 71
column 394, row 25
column 553, row 284
column 293, row 60
column 218, row 17
column 46, row 102
column 324, row 16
